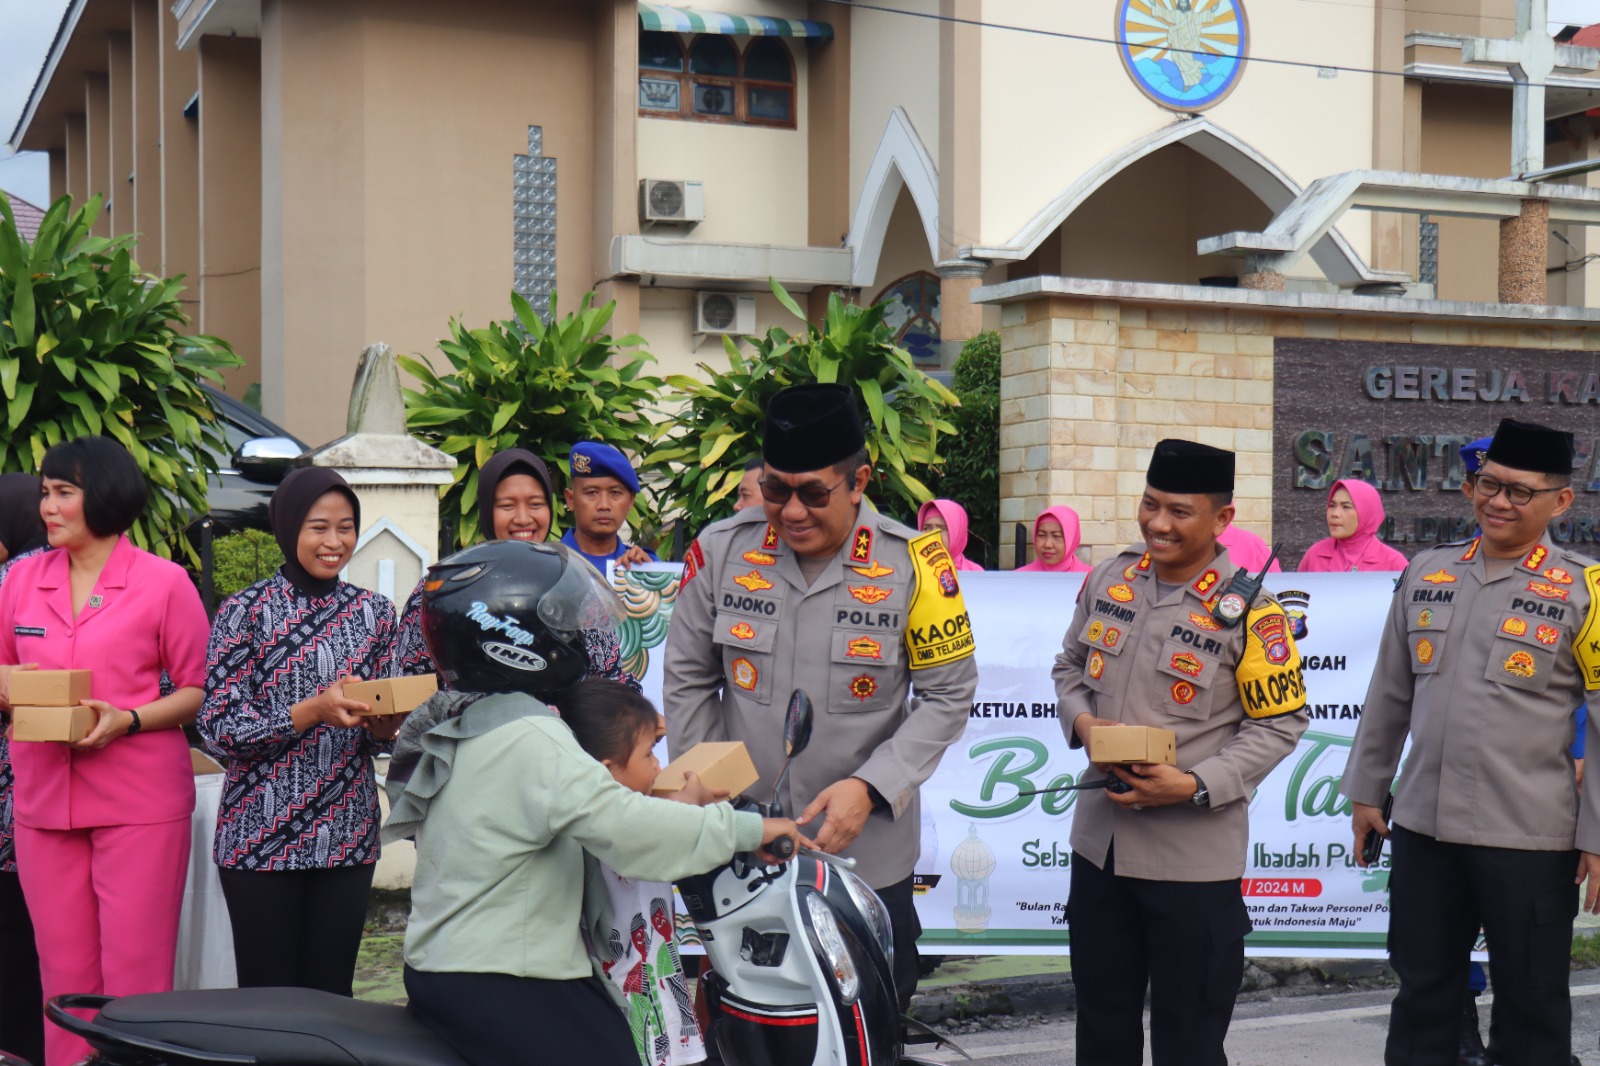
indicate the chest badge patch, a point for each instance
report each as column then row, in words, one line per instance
column 752, row 582
column 1185, row 663
column 1182, row 692
column 1120, row 593
column 1440, row 577
column 876, row 569
column 1424, row 651
column 1096, row 628
column 1558, row 575
column 1515, row 626
column 759, row 558
column 1547, row 591
column 1204, row 621
column 1547, row 634
column 1425, row 619
column 745, row 675
column 1113, row 634
column 96, row 601
column 1097, row 665
column 861, row 546
column 1520, row 664
column 742, row 631
column 864, row 648
column 863, row 687
column 869, row 594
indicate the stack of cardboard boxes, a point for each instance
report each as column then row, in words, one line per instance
column 47, row 705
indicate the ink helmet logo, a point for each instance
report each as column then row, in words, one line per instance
column 514, row 657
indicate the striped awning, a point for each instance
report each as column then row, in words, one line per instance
column 693, row 20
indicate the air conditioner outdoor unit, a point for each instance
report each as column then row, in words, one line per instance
column 671, row 201
column 725, row 313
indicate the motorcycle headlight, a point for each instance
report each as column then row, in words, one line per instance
column 868, row 903
column 825, row 927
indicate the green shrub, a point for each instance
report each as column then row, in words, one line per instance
column 89, row 346
column 971, row 473
column 239, row 560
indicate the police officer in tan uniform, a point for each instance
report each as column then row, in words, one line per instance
column 1485, row 653
column 816, row 590
column 1159, row 639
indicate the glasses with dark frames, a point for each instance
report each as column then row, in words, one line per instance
column 1521, row 495
column 814, row 496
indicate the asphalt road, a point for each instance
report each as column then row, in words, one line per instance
column 1343, row 1029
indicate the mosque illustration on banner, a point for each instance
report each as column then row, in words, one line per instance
column 1185, row 55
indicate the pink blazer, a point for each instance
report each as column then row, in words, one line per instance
column 148, row 619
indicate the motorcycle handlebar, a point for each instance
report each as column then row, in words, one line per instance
column 782, row 849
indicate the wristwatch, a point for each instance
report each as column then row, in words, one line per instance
column 1202, row 796
column 138, row 724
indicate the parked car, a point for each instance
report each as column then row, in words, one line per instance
column 260, row 453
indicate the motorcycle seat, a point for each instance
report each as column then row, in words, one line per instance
column 280, row 1027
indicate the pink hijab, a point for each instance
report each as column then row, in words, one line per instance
column 1070, row 532
column 1246, row 549
column 1361, row 550
column 955, row 535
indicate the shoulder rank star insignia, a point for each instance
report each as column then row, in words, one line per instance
column 863, row 687
column 1472, row 550
column 753, row 581
column 1547, row 592
column 864, row 648
column 1120, row 593
column 1558, row 575
column 869, row 593
column 770, row 540
column 874, row 570
column 861, row 547
column 759, row 558
column 742, row 631
column 1535, row 558
column 1204, row 582
column 1440, row 577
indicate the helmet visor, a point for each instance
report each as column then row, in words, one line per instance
column 580, row 600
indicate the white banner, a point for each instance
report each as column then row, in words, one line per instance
column 994, row 863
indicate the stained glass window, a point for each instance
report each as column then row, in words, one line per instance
column 913, row 314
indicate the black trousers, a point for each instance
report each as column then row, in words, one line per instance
column 1182, row 939
column 494, row 1019
column 1439, row 894
column 898, row 900
column 297, row 928
column 21, row 997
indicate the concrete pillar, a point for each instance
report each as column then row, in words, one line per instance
column 828, row 136
column 180, row 162
column 146, row 82
column 1524, row 254
column 58, row 173
column 960, row 150
column 97, row 138
column 230, row 200
column 959, row 318
column 119, row 81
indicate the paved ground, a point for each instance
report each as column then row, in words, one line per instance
column 1342, row 1029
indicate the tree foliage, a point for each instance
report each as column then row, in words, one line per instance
column 90, row 346
column 971, row 474
column 720, row 420
column 241, row 559
column 525, row 383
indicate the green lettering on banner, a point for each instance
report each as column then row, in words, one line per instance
column 1007, row 751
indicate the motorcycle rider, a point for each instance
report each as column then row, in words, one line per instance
column 504, row 804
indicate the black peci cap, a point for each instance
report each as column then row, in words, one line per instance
column 1186, row 467
column 1531, row 447
column 810, row 427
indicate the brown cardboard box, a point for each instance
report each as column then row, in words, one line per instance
column 203, row 764
column 49, row 688
column 1128, row 744
column 52, row 723
column 723, row 766
column 393, row 695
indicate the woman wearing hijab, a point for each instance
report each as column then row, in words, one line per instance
column 102, row 824
column 1248, row 550
column 514, row 494
column 949, row 518
column 1056, row 535
column 21, row 1022
column 297, row 830
column 1355, row 511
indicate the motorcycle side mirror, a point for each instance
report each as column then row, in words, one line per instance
column 797, row 724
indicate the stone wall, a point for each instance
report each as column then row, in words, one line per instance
column 1093, row 378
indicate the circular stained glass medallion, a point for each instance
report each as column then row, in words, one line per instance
column 1186, row 55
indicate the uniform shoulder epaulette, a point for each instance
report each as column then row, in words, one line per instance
column 895, row 528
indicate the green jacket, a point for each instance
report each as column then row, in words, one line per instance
column 499, row 886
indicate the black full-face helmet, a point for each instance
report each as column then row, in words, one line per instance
column 509, row 616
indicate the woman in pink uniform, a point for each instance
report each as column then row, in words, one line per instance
column 1355, row 511
column 103, row 824
column 1056, row 534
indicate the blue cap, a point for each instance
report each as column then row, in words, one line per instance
column 1473, row 454
column 590, row 458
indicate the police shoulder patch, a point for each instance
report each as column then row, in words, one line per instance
column 938, row 628
column 1586, row 646
column 1269, row 677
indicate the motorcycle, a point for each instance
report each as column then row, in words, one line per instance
column 804, row 976
column 802, row 951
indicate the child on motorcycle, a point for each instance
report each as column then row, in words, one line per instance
column 637, row 942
